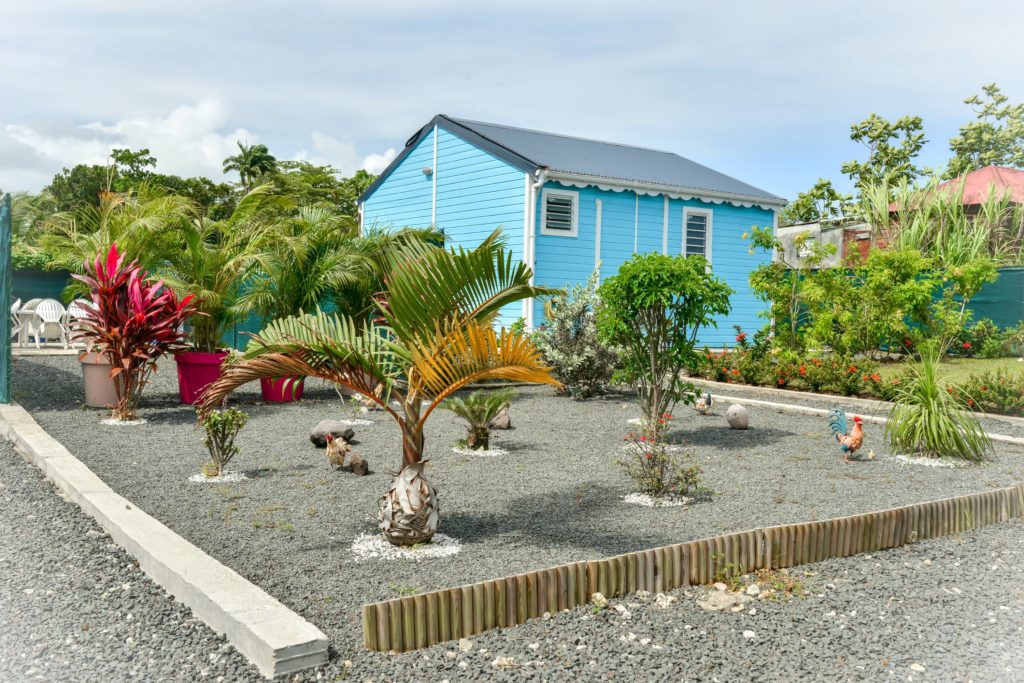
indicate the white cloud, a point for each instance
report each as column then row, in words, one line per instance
column 343, row 155
column 191, row 140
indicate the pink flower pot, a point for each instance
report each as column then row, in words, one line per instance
column 196, row 371
column 282, row 389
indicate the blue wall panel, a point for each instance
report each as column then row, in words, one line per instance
column 404, row 199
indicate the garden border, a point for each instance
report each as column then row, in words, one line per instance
column 415, row 622
column 810, row 395
column 274, row 638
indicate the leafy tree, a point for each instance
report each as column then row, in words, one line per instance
column 433, row 342
column 252, row 163
column 821, row 202
column 80, row 186
column 892, row 147
column 312, row 185
column 133, row 167
column 652, row 310
column 352, row 187
column 995, row 138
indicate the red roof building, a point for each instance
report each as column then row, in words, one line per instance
column 976, row 185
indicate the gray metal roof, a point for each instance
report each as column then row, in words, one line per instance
column 531, row 150
column 611, row 160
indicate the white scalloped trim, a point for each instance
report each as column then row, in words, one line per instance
column 657, row 193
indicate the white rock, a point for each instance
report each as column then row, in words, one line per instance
column 465, row 644
column 737, row 417
column 645, row 641
column 752, row 611
column 503, row 662
column 662, row 601
column 753, row 590
column 719, row 586
column 917, row 667
column 599, row 600
column 463, row 664
column 534, row 646
column 749, row 635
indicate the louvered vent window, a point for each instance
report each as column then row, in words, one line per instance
column 697, row 234
column 559, row 213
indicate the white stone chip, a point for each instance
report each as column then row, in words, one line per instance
column 375, row 547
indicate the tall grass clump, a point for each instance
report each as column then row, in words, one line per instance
column 934, row 420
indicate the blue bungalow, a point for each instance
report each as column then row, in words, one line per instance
column 570, row 205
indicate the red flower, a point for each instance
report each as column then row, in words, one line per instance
column 803, row 371
column 666, row 416
column 895, row 380
column 983, row 388
column 970, row 401
column 949, row 390
column 741, row 337
column 966, row 345
column 735, row 371
column 643, row 438
column 781, row 381
column 648, row 456
column 907, row 342
column 852, row 369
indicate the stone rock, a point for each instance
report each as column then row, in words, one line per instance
column 737, row 416
column 336, row 428
column 599, row 600
column 359, row 466
column 501, row 420
column 753, row 589
column 721, row 600
column 465, row 644
column 749, row 635
column 503, row 662
column 719, row 586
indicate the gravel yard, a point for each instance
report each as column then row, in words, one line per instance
column 557, row 497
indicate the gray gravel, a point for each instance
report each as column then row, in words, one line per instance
column 75, row 607
column 556, row 498
column 1007, row 427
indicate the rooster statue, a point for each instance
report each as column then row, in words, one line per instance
column 704, row 403
column 337, row 449
column 850, row 439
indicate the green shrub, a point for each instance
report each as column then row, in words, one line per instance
column 933, row 420
column 479, row 409
column 222, row 426
column 996, row 392
column 569, row 344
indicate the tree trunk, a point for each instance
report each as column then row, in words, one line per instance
column 409, row 513
column 478, row 438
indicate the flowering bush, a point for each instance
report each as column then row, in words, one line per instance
column 132, row 322
column 655, row 472
column 996, row 392
column 222, row 426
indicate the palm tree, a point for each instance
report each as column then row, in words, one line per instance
column 142, row 222
column 478, row 410
column 436, row 338
column 213, row 260
column 251, row 162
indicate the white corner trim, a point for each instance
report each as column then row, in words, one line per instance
column 689, row 211
column 664, row 228
column 597, row 237
column 433, row 184
column 527, row 222
column 570, row 194
column 654, row 189
column 274, row 638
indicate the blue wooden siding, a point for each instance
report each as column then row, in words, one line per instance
column 405, row 198
column 627, row 221
column 476, row 193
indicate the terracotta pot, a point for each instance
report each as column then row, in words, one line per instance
column 99, row 387
column 282, row 389
column 196, row 371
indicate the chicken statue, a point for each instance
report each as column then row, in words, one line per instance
column 850, row 439
column 337, row 449
column 704, row 403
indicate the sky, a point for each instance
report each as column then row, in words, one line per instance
column 765, row 92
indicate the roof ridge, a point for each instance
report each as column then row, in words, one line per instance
column 470, row 122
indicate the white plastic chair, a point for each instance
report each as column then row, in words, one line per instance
column 15, row 320
column 51, row 321
column 76, row 309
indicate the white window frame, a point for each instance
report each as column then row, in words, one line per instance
column 687, row 212
column 575, row 197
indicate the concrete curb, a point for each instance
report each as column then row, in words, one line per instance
column 274, row 638
column 824, row 412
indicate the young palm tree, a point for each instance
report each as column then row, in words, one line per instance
column 437, row 337
column 478, row 410
column 251, row 163
column 213, row 260
column 142, row 223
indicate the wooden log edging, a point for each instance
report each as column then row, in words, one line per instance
column 419, row 621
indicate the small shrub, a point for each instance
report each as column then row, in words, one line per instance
column 932, row 420
column 996, row 392
column 569, row 345
column 478, row 410
column 655, row 472
column 222, row 426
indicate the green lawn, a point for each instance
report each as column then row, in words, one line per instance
column 957, row 370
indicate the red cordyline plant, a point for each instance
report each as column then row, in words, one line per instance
column 132, row 321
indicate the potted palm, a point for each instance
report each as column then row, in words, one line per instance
column 211, row 263
column 433, row 342
column 306, row 258
column 131, row 321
